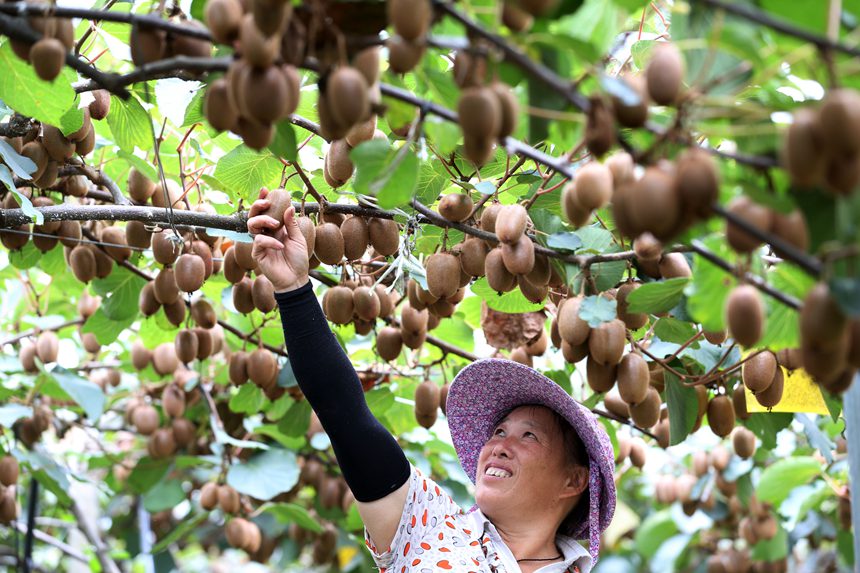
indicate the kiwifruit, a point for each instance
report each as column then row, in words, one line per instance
column 443, row 274
column 665, row 73
column 509, row 108
column 76, row 186
column 175, row 312
column 49, row 176
column 140, row 355
column 632, row 111
column 339, row 305
column 174, row 195
column 217, row 106
column 698, row 181
column 532, row 292
column 410, row 19
column 647, row 412
column 145, row 419
column 739, row 402
column 366, row 303
column 606, row 342
column 574, row 212
column 538, row 7
column 183, row 432
column 361, row 132
column 223, row 18
column 90, row 343
column 573, row 353
column 571, row 328
column 593, row 185
column 36, row 152
column 615, row 405
column 674, row 265
column 510, row 223
column 478, row 150
column 164, row 250
column 839, row 116
column 243, row 300
column 473, row 255
column 85, row 146
column 228, row 499
column 745, row 315
column 244, row 257
column 338, row 167
column 384, row 236
column 743, row 441
column 721, row 415
column 456, row 206
column 791, row 228
column 822, row 322
column 147, row 45
column 81, row 133
column 600, row 377
column 516, row 19
column 16, row 241
column 489, row 216
column 389, row 343
column 165, row 289
column 100, row 106
column 308, row 229
column 232, row 271
column 754, row 214
column 715, row 337
column 209, row 496
column 147, row 302
column 653, row 204
column 42, row 241
column 356, row 237
column 480, row 113
column 599, row 127
column 498, row 276
column 633, row 378
column 189, row 272
column 59, row 148
column 638, row 453
column 48, row 55
column 257, row 48
column 519, row 256
column 801, row 150
column 205, row 343
column 632, row 321
column 173, row 397
column 412, row 320
column 334, row 218
column 83, row 264
column 164, row 359
column 263, row 294
column 8, row 470
column 261, row 366
column 329, row 245
column 237, row 369
column 771, row 396
column 346, row 93
column 469, row 70
column 759, row 370
column 404, row 55
column 386, row 300
column 115, row 243
column 186, row 345
column 47, row 346
column 260, row 83
column 519, row 354
column 47, row 226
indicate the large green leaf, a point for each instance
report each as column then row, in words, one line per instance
column 120, row 291
column 710, row 287
column 657, row 528
column 130, row 124
column 87, row 394
column 778, row 479
column 165, row 494
column 595, row 310
column 106, row 329
column 293, row 513
column 243, row 171
column 250, row 399
column 50, row 102
column 266, row 474
column 657, row 296
column 511, row 302
column 772, row 549
column 388, row 174
column 683, row 405
column 284, row 143
column 782, row 326
column 591, row 29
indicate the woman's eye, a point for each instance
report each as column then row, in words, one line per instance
column 530, row 435
column 498, row 431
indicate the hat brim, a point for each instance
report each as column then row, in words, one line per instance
column 485, row 390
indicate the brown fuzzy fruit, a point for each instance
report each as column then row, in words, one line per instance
column 473, row 255
column 404, row 55
column 822, row 322
column 801, row 152
column 771, row 396
column 8, row 471
column 532, row 292
column 173, row 398
column 480, row 113
column 217, row 106
column 571, row 328
column 59, row 148
column 228, row 499
column 189, row 272
column 47, row 346
column 140, row 355
column 147, row 302
column 263, row 294
column 745, row 315
column 223, row 18
column 203, row 313
column 743, row 441
column 48, row 55
column 346, row 93
column 593, row 185
column 186, row 346
column 759, row 370
column 509, row 108
column 791, row 228
column 209, row 496
column 755, row 215
column 329, row 245
column 238, row 368
column 599, row 127
column 665, row 73
column 632, row 321
column 633, row 378
column 365, row 303
column 166, row 291
column 338, row 165
column 384, row 236
column 606, row 342
column 498, row 276
column 339, row 305
column 243, row 298
column 653, row 204
column 83, row 263
column 164, row 250
column 519, row 256
column 721, row 415
column 647, row 412
column 164, row 359
column 410, row 18
column 356, row 237
column 389, row 343
column 147, row 45
column 600, row 377
column 510, row 223
column 456, row 206
column 674, row 265
column 100, row 106
column 145, row 419
column 697, row 180
column 262, row 367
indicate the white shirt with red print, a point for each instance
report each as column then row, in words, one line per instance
column 435, row 534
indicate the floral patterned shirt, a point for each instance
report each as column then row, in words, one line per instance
column 435, row 534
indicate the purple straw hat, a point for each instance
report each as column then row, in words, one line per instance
column 485, row 390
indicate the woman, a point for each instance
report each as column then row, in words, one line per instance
column 541, row 464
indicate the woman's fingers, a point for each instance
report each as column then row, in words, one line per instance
column 259, row 223
column 292, row 226
column 267, row 242
column 259, row 206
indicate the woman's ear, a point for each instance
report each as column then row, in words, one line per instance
column 577, row 481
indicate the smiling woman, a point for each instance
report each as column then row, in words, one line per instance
column 541, row 464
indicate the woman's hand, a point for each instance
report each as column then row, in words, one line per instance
column 283, row 253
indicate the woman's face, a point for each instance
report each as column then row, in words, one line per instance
column 522, row 469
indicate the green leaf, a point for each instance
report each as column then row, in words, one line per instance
column 284, row 143
column 146, row 473
column 767, row 425
column 455, row 331
column 846, row 291
column 105, row 328
column 683, row 405
column 243, row 171
column 808, row 14
column 778, row 479
column 88, row 395
column 658, row 296
column 772, row 549
column 25, row 258
column 141, row 165
column 657, row 528
column 389, row 175
column 120, row 291
column 708, row 291
column 432, row 179
column 130, row 124
column 266, row 474
column 21, row 166
column 673, row 330
column 594, row 239
column 591, row 29
column 22, row 90
column 510, row 302
column 595, row 310
column 444, row 135
column 250, row 399
column 295, row 422
column 47, row 472
column 166, row 494
column 564, row 242
column 782, row 325
column 293, row 513
column 23, row 201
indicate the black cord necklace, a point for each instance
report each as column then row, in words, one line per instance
column 559, row 556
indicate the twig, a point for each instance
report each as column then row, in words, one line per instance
column 102, row 551
column 35, row 331
column 54, row 542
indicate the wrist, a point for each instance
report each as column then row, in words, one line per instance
column 281, row 289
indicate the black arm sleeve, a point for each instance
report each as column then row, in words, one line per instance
column 372, row 461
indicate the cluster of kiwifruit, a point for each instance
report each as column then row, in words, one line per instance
column 821, row 147
column 358, row 302
column 48, row 54
column 488, row 112
column 536, row 347
column 142, row 189
column 829, row 341
column 411, row 21
column 149, row 44
column 8, row 483
column 790, row 227
column 30, row 428
column 177, row 432
column 262, row 87
column 429, row 397
column 259, row 366
column 762, row 374
column 633, row 449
